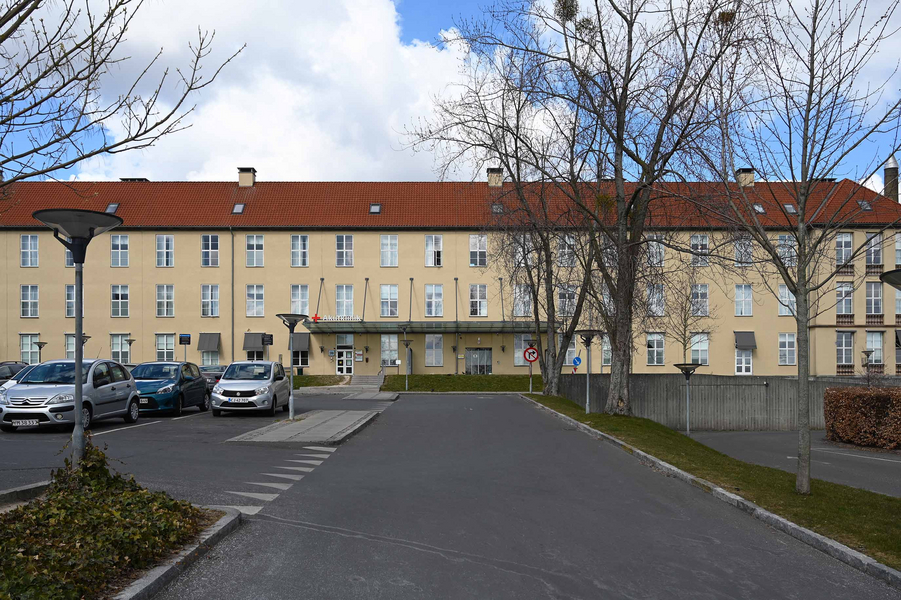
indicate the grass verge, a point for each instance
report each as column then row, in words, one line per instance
column 91, row 531
column 316, row 380
column 860, row 519
column 463, row 383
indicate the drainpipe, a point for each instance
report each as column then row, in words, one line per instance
column 232, row 232
column 456, row 327
column 410, row 318
column 318, row 298
column 365, row 290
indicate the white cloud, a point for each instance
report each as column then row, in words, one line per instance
column 322, row 92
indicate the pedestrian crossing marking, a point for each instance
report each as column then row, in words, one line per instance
column 302, row 469
column 314, row 455
column 279, row 486
column 255, row 496
column 284, row 476
column 308, row 462
column 320, row 448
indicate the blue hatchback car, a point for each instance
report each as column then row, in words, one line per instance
column 170, row 387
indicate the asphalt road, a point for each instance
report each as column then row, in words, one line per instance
column 867, row 469
column 451, row 497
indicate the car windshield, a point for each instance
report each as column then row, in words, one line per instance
column 212, row 369
column 155, row 371
column 18, row 376
column 247, row 371
column 55, row 373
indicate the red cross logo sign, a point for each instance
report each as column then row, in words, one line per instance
column 316, row 317
column 530, row 354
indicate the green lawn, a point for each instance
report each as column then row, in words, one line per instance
column 316, row 380
column 865, row 521
column 463, row 383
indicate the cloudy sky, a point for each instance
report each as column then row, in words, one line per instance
column 322, row 91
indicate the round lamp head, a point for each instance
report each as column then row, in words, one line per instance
column 40, row 344
column 130, row 341
column 893, row 278
column 290, row 319
column 687, row 368
column 76, row 223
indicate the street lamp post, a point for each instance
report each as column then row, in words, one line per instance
column 406, row 361
column 80, row 227
column 587, row 336
column 865, row 363
column 291, row 320
column 40, row 346
column 687, row 369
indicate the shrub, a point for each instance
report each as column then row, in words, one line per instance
column 864, row 416
column 92, row 527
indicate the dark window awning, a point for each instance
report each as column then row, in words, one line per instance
column 253, row 342
column 424, row 326
column 744, row 340
column 208, row 342
column 301, row 342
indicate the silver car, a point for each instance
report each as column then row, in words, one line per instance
column 251, row 385
column 46, row 395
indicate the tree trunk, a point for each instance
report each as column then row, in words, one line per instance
column 618, row 395
column 552, row 381
column 802, row 482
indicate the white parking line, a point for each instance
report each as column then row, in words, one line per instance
column 279, row 486
column 247, row 510
column 301, row 469
column 187, row 416
column 822, row 462
column 308, row 462
column 284, row 476
column 857, row 455
column 255, row 496
column 314, row 455
column 320, row 448
column 124, row 428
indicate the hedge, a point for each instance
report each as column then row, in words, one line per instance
column 865, row 416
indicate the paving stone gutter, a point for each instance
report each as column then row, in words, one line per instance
column 847, row 555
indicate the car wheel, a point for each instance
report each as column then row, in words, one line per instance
column 7, row 428
column 134, row 411
column 274, row 406
column 86, row 417
column 217, row 412
column 179, row 404
column 205, row 405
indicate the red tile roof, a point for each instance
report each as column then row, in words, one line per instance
column 345, row 205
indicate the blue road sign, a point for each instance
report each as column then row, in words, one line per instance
column 577, row 361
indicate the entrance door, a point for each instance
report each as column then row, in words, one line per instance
column 478, row 361
column 344, row 354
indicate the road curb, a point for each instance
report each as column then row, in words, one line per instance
column 23, row 493
column 159, row 577
column 849, row 556
column 459, row 393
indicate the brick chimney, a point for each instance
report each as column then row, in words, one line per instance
column 890, row 177
column 745, row 177
column 495, row 177
column 247, row 176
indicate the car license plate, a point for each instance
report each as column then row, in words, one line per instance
column 24, row 422
column 144, row 401
column 239, row 400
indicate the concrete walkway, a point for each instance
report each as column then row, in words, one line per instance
column 329, row 427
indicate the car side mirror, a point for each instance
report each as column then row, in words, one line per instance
column 279, row 377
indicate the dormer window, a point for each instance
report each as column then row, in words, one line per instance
column 497, row 208
column 790, row 209
column 864, row 205
column 375, row 209
column 758, row 208
column 112, row 208
column 238, row 209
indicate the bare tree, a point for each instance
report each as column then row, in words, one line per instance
column 55, row 59
column 811, row 105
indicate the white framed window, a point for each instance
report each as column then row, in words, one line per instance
column 256, row 355
column 655, row 349
column 29, row 295
column 874, row 343
column 787, row 249
column 301, row 358
column 844, row 346
column 165, row 346
column 300, row 299
column 898, row 250
column 874, row 298
column 300, row 252
column 70, row 345
column 165, row 250
column 844, row 296
column 571, row 350
column 606, row 351
column 388, row 251
column 29, row 352
column 210, row 358
column 743, row 300
column 389, row 350
column 519, row 348
column 209, row 250
column 523, row 251
column 522, row 300
column 434, row 350
column 566, row 250
column 874, row 248
column 898, row 303
column 656, row 300
column 787, row 302
column 843, row 248
column 656, row 250
column 700, row 302
column 700, row 250
column 165, row 300
column 787, row 349
column 344, row 250
column 29, row 251
column 566, row 300
column 478, row 300
column 209, row 300
column 744, row 251
column 434, row 300
column 118, row 246
column 119, row 350
column 119, row 300
column 254, row 248
column 478, row 250
column 433, row 248
column 388, row 300
column 70, row 301
column 699, row 345
column 744, row 362
column 70, row 258
column 344, row 300
column 256, row 300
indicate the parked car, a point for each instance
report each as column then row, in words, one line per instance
column 170, row 386
column 46, row 395
column 251, row 385
column 9, row 368
column 212, row 374
column 15, row 378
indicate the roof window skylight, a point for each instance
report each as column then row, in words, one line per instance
column 238, row 209
column 375, row 209
column 112, row 208
column 790, row 209
column 864, row 205
column 758, row 208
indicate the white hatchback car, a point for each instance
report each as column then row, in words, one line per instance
column 251, row 385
